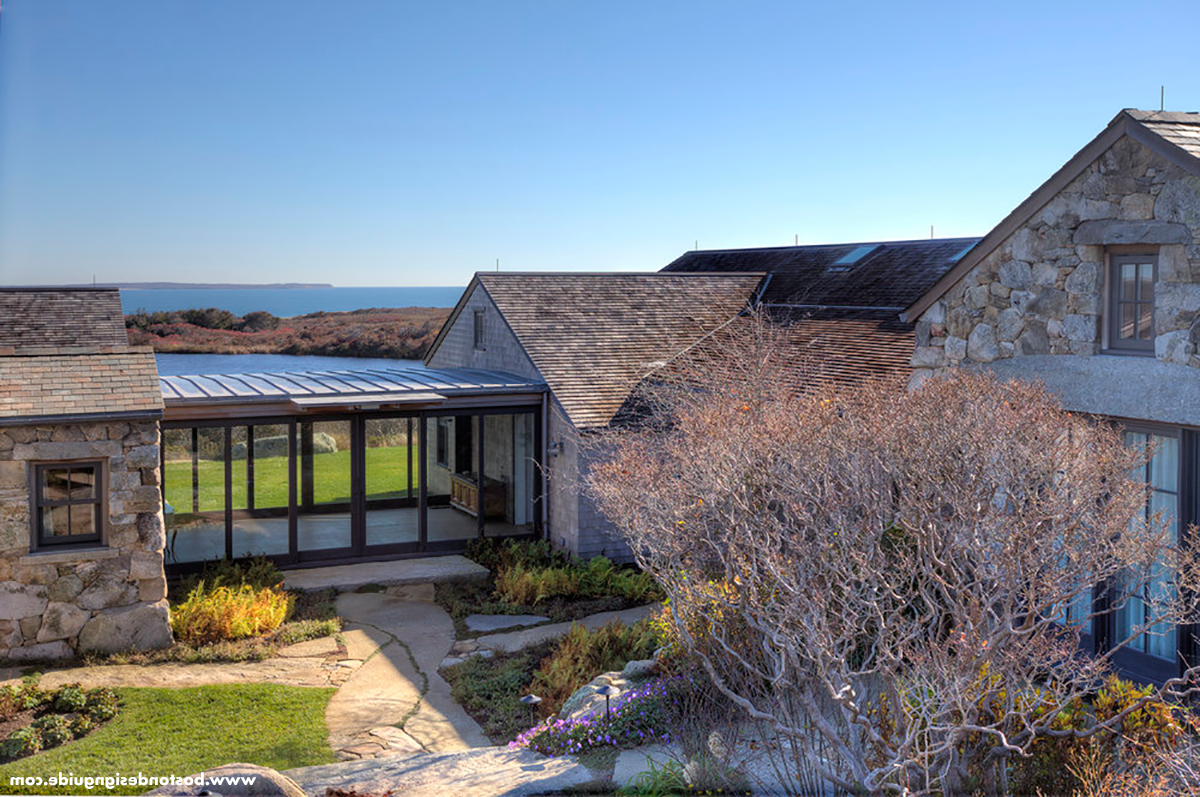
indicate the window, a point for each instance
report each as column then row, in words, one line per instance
column 1131, row 303
column 479, row 341
column 442, row 443
column 68, row 503
column 1162, row 474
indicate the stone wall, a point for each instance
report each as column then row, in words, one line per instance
column 108, row 596
column 1042, row 291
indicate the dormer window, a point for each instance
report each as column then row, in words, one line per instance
column 1131, row 303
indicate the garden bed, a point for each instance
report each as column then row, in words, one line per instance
column 33, row 719
column 529, row 578
column 234, row 615
column 490, row 688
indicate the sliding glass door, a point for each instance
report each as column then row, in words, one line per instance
column 306, row 489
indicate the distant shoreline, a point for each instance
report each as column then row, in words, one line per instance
column 204, row 286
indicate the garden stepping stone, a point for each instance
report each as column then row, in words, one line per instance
column 413, row 592
column 498, row 622
column 631, row 763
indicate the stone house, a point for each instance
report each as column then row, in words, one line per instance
column 1092, row 286
column 81, row 525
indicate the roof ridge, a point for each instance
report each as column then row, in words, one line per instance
column 955, row 239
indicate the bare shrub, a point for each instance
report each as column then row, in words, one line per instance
column 894, row 581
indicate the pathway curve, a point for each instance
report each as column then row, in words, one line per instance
column 403, row 640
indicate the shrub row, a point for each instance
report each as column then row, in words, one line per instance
column 528, row 573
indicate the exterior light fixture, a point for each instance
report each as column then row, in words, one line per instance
column 607, row 692
column 531, row 701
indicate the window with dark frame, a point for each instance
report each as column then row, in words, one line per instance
column 68, row 503
column 442, row 442
column 479, row 330
column 1131, row 303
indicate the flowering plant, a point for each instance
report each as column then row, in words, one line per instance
column 637, row 717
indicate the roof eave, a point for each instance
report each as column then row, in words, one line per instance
column 1124, row 123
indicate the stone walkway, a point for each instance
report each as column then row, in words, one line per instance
column 490, row 772
column 404, row 638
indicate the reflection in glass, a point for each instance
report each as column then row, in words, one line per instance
column 452, row 488
column 509, row 472
column 194, row 492
column 324, row 467
column 259, row 458
column 391, row 488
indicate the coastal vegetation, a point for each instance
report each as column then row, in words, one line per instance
column 402, row 333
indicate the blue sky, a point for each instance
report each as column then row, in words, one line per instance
column 396, row 143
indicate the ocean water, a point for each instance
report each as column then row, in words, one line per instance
column 191, row 364
column 286, row 301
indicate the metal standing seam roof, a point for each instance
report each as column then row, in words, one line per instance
column 392, row 384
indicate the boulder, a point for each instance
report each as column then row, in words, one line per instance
column 639, row 669
column 19, row 600
column 62, row 621
column 43, row 651
column 66, row 588
column 277, row 446
column 108, row 592
column 265, row 783
column 143, row 626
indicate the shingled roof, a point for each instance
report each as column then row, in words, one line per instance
column 55, row 320
column 64, row 355
column 841, row 302
column 593, row 337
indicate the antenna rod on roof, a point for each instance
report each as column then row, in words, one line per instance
column 497, row 264
column 1162, row 96
column 797, row 239
column 931, row 232
column 697, row 243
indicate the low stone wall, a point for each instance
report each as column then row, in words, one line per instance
column 107, row 596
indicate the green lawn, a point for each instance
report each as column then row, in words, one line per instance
column 387, row 477
column 184, row 731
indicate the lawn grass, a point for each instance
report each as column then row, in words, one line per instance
column 387, row 477
column 184, row 731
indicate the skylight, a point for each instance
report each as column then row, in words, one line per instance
column 853, row 256
column 963, row 253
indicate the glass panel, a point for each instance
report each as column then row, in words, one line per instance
column 1126, row 331
column 1145, row 321
column 55, row 484
column 391, row 503
column 1146, row 278
column 83, row 520
column 509, row 476
column 452, row 489
column 1162, row 473
column 260, row 487
column 1164, row 468
column 1128, row 291
column 83, row 481
column 56, row 521
column 324, row 467
column 194, row 493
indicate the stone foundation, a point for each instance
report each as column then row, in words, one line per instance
column 107, row 596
